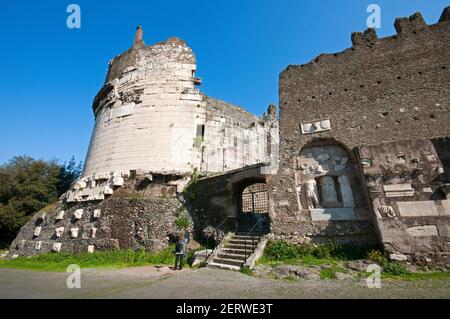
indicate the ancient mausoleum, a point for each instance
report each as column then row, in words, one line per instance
column 360, row 153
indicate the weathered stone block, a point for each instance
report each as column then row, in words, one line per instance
column 117, row 181
column 42, row 217
column 398, row 190
column 417, row 208
column 97, row 213
column 422, row 231
column 398, row 257
column 38, row 245
column 93, row 232
column 283, row 203
column 91, row 249
column 446, row 206
column 57, row 247
column 324, row 214
column 60, row 215
column 78, row 214
column 315, row 127
column 74, row 232
column 37, row 231
column 59, row 231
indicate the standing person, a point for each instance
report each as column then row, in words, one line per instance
column 180, row 251
column 187, row 236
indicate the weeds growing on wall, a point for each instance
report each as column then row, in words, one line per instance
column 136, row 198
column 190, row 190
column 182, row 222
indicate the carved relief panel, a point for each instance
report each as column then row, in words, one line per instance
column 323, row 177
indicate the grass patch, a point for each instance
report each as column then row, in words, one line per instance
column 246, row 271
column 437, row 275
column 100, row 259
column 136, row 198
column 290, row 278
column 328, row 273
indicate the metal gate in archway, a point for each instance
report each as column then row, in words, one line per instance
column 254, row 210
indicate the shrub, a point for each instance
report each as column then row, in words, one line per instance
column 377, row 256
column 347, row 251
column 394, row 268
column 321, row 252
column 280, row 249
column 390, row 267
column 336, row 250
column 182, row 222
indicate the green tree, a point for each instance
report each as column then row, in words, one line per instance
column 28, row 185
column 68, row 174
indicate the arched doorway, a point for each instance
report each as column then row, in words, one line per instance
column 253, row 212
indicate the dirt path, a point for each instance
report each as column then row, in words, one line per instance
column 150, row 282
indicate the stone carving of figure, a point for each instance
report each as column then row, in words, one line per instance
column 386, row 210
column 312, row 199
column 329, row 194
column 346, row 190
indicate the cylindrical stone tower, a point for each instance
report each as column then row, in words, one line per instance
column 148, row 112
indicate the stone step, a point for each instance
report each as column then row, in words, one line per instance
column 223, row 266
column 249, row 243
column 227, row 255
column 248, row 236
column 243, row 239
column 240, row 246
column 234, row 251
column 226, row 261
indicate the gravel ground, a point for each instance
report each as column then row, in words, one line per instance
column 152, row 282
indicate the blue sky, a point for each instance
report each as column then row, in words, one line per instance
column 51, row 73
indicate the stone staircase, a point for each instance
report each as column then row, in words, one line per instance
column 232, row 253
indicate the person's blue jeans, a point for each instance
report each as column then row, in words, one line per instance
column 178, row 261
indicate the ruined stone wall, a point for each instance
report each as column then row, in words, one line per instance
column 409, row 186
column 379, row 90
column 233, row 137
column 141, row 214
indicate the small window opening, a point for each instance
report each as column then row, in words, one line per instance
column 201, row 131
